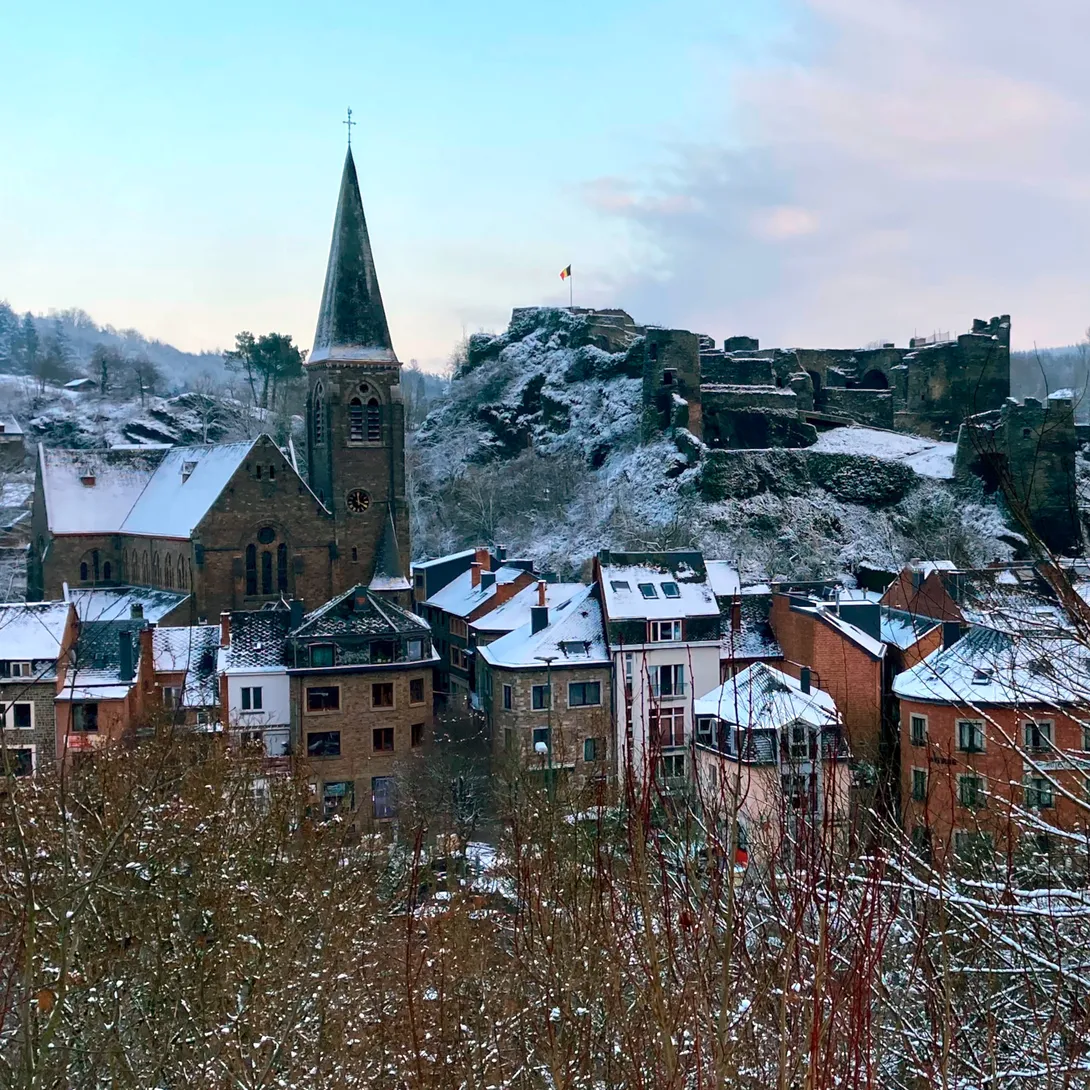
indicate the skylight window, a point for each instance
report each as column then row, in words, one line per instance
column 982, row 676
column 648, row 590
column 671, row 590
column 619, row 584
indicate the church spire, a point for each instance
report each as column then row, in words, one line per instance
column 388, row 574
column 352, row 322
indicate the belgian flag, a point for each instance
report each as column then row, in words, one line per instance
column 565, row 273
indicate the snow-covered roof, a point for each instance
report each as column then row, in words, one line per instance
column 79, row 383
column 423, row 565
column 515, row 612
column 460, row 597
column 723, row 577
column 903, row 629
column 928, row 457
column 31, row 631
column 193, row 651
column 9, row 425
column 95, row 671
column 357, row 612
column 257, row 642
column 115, row 603
column 828, row 614
column 574, row 636
column 754, row 638
column 649, row 589
column 762, row 698
column 990, row 667
column 155, row 491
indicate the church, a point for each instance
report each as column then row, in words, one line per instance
column 235, row 525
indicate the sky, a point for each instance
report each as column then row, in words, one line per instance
column 809, row 172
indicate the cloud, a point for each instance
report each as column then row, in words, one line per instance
column 923, row 164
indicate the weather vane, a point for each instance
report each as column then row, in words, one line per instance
column 349, row 123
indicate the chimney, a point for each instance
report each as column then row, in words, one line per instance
column 804, row 679
column 482, row 558
column 296, row 615
column 475, row 574
column 136, row 612
column 539, row 618
column 501, row 553
column 951, row 633
column 124, row 656
column 736, row 615
column 225, row 630
column 541, row 592
column 488, row 579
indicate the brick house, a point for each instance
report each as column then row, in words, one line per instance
column 360, row 672
column 184, row 674
column 662, row 626
column 990, row 725
column 546, row 688
column 31, row 636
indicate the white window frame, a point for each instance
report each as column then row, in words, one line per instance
column 7, row 714
column 246, row 696
column 33, row 756
column 664, row 631
column 1044, row 727
column 22, row 669
column 911, row 732
column 172, row 696
column 678, row 684
column 1049, row 787
column 979, row 724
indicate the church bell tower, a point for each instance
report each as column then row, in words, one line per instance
column 355, row 415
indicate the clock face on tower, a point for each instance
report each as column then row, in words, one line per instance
column 358, row 500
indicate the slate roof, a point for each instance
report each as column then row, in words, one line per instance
column 622, row 574
column 358, row 612
column 422, row 565
column 755, row 638
column 724, row 579
column 257, row 641
column 136, row 490
column 32, row 631
column 903, row 629
column 9, row 425
column 575, row 636
column 115, row 603
column 761, row 698
column 95, row 673
column 193, row 650
column 389, row 574
column 351, row 321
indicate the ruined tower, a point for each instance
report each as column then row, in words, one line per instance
column 355, row 415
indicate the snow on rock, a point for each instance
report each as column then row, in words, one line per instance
column 928, row 457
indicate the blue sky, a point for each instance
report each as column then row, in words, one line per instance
column 807, row 171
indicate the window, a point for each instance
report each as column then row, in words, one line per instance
column 21, row 669
column 972, row 845
column 20, row 760
column 620, row 584
column 921, row 841
column 258, row 473
column 668, row 681
column 337, row 797
column 168, row 570
column 355, row 420
column 798, row 741
column 594, row 749
column 1038, row 735
column 251, row 698
column 278, row 742
column 671, row 590
column 251, row 569
column 84, row 574
column 458, row 627
column 383, row 797
column 324, row 743
column 272, row 473
column 321, row 654
column 414, row 650
column 1086, row 738
column 705, row 730
column 374, row 421
column 19, row 717
column 918, row 729
column 266, row 535
column 508, row 698
column 382, row 739
column 282, row 567
column 539, row 698
column 266, row 572
column 85, row 718
column 971, row 791
column 107, row 571
column 667, row 726
column 663, row 631
column 970, row 736
column 671, row 766
column 323, row 698
column 416, row 690
column 459, row 659
column 919, row 784
column 416, row 735
column 171, row 696
column 584, row 694
column 319, row 413
column 382, row 694
column 541, row 737
column 1038, row 793
column 647, row 590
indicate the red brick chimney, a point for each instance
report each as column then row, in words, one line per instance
column 736, row 615
column 225, row 630
column 541, row 592
column 482, row 557
column 475, row 573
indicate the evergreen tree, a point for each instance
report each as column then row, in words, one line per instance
column 29, row 345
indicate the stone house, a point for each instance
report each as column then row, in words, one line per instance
column 992, row 732
column 360, row 672
column 31, row 637
column 770, row 752
column 662, row 628
column 546, row 689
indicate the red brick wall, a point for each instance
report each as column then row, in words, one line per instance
column 929, row 599
column 841, row 668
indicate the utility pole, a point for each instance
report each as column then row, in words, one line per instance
column 549, row 660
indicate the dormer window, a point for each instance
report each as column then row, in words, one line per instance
column 982, row 676
column 187, row 470
column 663, row 631
column 671, row 590
column 648, row 590
column 321, row 654
column 87, row 480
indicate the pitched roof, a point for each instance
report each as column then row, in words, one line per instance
column 357, row 612
column 760, row 697
column 460, row 597
column 192, row 650
column 257, row 641
column 154, row 491
column 115, row 603
column 95, row 672
column 515, row 612
column 32, row 630
column 389, row 574
column 754, row 638
column 678, row 582
column 351, row 322
column 575, row 636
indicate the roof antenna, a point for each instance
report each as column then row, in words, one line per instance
column 350, row 123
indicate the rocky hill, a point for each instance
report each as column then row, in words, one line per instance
column 538, row 446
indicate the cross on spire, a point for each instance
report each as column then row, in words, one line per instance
column 349, row 123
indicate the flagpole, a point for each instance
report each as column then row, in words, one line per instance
column 571, row 294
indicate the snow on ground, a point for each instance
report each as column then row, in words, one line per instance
column 928, row 457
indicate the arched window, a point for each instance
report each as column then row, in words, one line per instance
column 156, row 570
column 94, row 563
column 374, row 421
column 355, row 420
column 282, row 567
column 251, row 569
column 319, row 414
column 84, row 572
column 107, row 571
column 266, row 572
column 145, row 571
column 183, row 575
column 169, row 571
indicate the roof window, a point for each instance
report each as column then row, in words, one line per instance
column 982, row 676
column 671, row 590
column 619, row 584
column 648, row 590
column 573, row 647
column 87, row 480
column 187, row 470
